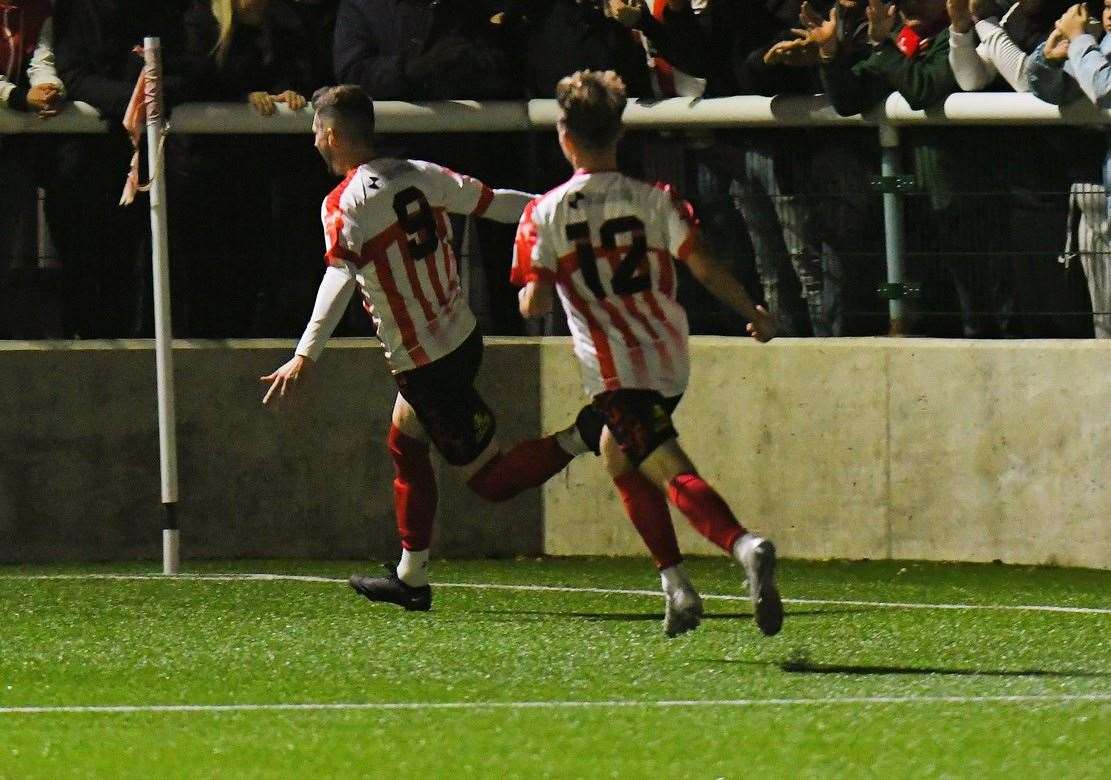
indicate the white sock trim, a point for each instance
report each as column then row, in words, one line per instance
column 571, row 442
column 743, row 546
column 674, row 578
column 412, row 569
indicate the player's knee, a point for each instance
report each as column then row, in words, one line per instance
column 408, row 454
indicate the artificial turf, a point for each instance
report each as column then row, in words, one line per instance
column 846, row 689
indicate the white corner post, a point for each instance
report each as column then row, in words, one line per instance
column 163, row 334
column 893, row 227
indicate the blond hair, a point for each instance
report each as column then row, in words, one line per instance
column 224, row 12
column 592, row 102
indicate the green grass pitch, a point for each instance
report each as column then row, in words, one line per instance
column 496, row 682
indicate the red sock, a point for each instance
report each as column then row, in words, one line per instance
column 706, row 510
column 528, row 464
column 414, row 490
column 647, row 508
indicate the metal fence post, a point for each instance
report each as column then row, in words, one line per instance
column 893, row 226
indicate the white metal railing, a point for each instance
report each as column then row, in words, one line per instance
column 468, row 116
column 752, row 111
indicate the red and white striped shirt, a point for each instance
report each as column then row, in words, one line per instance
column 387, row 226
column 608, row 242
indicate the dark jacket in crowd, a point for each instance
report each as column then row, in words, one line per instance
column 562, row 36
column 1032, row 21
column 317, row 21
column 423, row 50
column 735, row 35
column 271, row 57
column 922, row 80
column 93, row 42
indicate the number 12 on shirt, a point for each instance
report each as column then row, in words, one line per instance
column 632, row 274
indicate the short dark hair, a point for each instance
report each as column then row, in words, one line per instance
column 592, row 102
column 348, row 108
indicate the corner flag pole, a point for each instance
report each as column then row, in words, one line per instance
column 163, row 337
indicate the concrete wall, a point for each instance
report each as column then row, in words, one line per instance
column 948, row 450
column 878, row 448
column 79, row 472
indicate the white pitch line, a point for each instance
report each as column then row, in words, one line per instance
column 1098, row 698
column 567, row 589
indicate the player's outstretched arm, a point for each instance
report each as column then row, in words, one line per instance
column 724, row 286
column 331, row 301
column 507, row 206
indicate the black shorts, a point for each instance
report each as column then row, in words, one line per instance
column 453, row 414
column 640, row 420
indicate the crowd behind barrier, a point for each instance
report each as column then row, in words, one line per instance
column 989, row 210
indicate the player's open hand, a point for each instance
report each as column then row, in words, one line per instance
column 284, row 379
column 762, row 326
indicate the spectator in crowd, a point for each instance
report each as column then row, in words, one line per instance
column 562, row 35
column 258, row 52
column 993, row 51
column 28, row 83
column 251, row 49
column 988, row 42
column 1069, row 63
column 423, row 50
column 769, row 171
column 910, row 55
column 420, row 50
column 317, row 20
column 105, row 269
column 844, row 216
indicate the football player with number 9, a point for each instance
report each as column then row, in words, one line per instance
column 387, row 235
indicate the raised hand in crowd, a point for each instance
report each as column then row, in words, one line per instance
column 817, row 30
column 1056, row 46
column 799, row 52
column 45, row 99
column 1073, row 22
column 960, row 15
column 627, row 12
column 802, row 50
column 881, row 20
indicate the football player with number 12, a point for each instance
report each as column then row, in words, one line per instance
column 608, row 245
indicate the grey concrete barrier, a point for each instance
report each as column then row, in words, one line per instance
column 837, row 448
column 877, row 448
column 79, row 455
